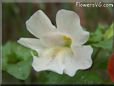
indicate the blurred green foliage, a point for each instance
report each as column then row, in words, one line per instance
column 82, row 77
column 16, row 60
column 102, row 37
column 109, row 33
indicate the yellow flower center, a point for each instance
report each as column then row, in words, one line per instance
column 67, row 40
column 61, row 44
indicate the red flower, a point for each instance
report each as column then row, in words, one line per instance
column 111, row 67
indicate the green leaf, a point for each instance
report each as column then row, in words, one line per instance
column 20, row 70
column 99, row 40
column 88, row 77
column 109, row 32
column 6, row 50
column 16, row 60
column 105, row 44
column 81, row 77
column 100, row 64
column 101, row 60
column 97, row 35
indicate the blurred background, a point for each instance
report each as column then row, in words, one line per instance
column 14, row 16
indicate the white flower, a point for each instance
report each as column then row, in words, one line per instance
column 60, row 49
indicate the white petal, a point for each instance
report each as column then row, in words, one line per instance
column 80, row 59
column 69, row 22
column 53, row 39
column 47, row 63
column 83, row 55
column 32, row 43
column 71, row 66
column 39, row 24
column 69, row 62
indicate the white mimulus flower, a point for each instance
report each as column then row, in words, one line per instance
column 60, row 49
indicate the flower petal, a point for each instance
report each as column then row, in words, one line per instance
column 69, row 62
column 39, row 24
column 47, row 63
column 71, row 66
column 69, row 22
column 32, row 43
column 80, row 59
column 53, row 39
